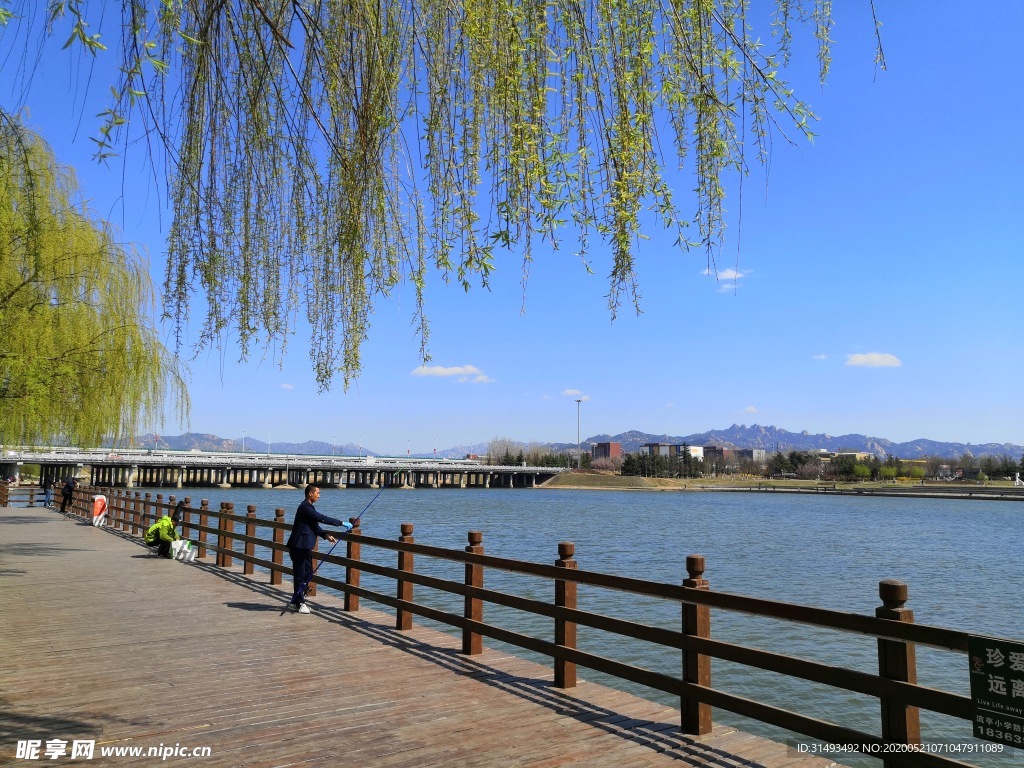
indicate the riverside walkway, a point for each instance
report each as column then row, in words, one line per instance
column 103, row 643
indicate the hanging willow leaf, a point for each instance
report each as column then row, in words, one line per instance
column 323, row 151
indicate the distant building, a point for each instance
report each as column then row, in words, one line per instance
column 714, row 455
column 750, row 454
column 855, row 455
column 607, row 450
column 661, row 449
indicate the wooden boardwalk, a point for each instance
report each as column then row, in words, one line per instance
column 101, row 641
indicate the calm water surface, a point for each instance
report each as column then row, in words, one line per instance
column 961, row 560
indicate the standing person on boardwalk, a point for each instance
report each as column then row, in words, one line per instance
column 305, row 531
column 66, row 493
column 47, row 486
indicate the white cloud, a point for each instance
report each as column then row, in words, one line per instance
column 820, row 357
column 463, row 374
column 670, row 405
column 750, row 409
column 725, row 274
column 440, row 370
column 287, row 386
column 874, row 360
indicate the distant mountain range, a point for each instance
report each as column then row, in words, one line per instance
column 775, row 439
column 206, row 442
column 736, row 436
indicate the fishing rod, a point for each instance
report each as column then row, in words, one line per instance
column 346, row 527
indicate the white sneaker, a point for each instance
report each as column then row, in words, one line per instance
column 303, row 608
column 293, row 608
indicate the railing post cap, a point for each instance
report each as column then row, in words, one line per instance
column 406, row 529
column 893, row 593
column 695, row 566
column 475, row 537
column 566, row 549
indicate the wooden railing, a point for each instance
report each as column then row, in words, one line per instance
column 28, row 496
column 228, row 536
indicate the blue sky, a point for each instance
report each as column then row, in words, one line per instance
column 876, row 288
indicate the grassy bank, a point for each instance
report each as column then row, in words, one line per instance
column 599, row 481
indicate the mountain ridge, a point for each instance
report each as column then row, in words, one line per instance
column 770, row 438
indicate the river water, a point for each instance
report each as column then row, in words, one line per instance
column 961, row 560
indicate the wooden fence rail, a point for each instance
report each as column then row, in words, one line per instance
column 900, row 698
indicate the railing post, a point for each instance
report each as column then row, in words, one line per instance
column 31, row 497
column 204, row 522
column 170, row 505
column 352, row 551
column 250, row 531
column 565, row 631
column 472, row 642
column 186, row 518
column 224, row 540
column 696, row 716
column 403, row 619
column 137, row 528
column 277, row 555
column 117, row 509
column 897, row 660
column 218, row 557
column 145, row 512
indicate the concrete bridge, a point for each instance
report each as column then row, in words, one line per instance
column 178, row 469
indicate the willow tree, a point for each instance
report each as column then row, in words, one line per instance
column 319, row 152
column 80, row 359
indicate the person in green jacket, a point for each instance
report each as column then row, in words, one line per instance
column 163, row 532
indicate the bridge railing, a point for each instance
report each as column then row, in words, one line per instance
column 229, row 536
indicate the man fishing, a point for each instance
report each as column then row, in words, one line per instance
column 300, row 543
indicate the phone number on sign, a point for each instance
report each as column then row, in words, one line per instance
column 882, row 749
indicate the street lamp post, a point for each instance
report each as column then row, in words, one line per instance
column 579, row 456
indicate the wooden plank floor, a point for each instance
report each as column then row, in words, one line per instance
column 101, row 641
